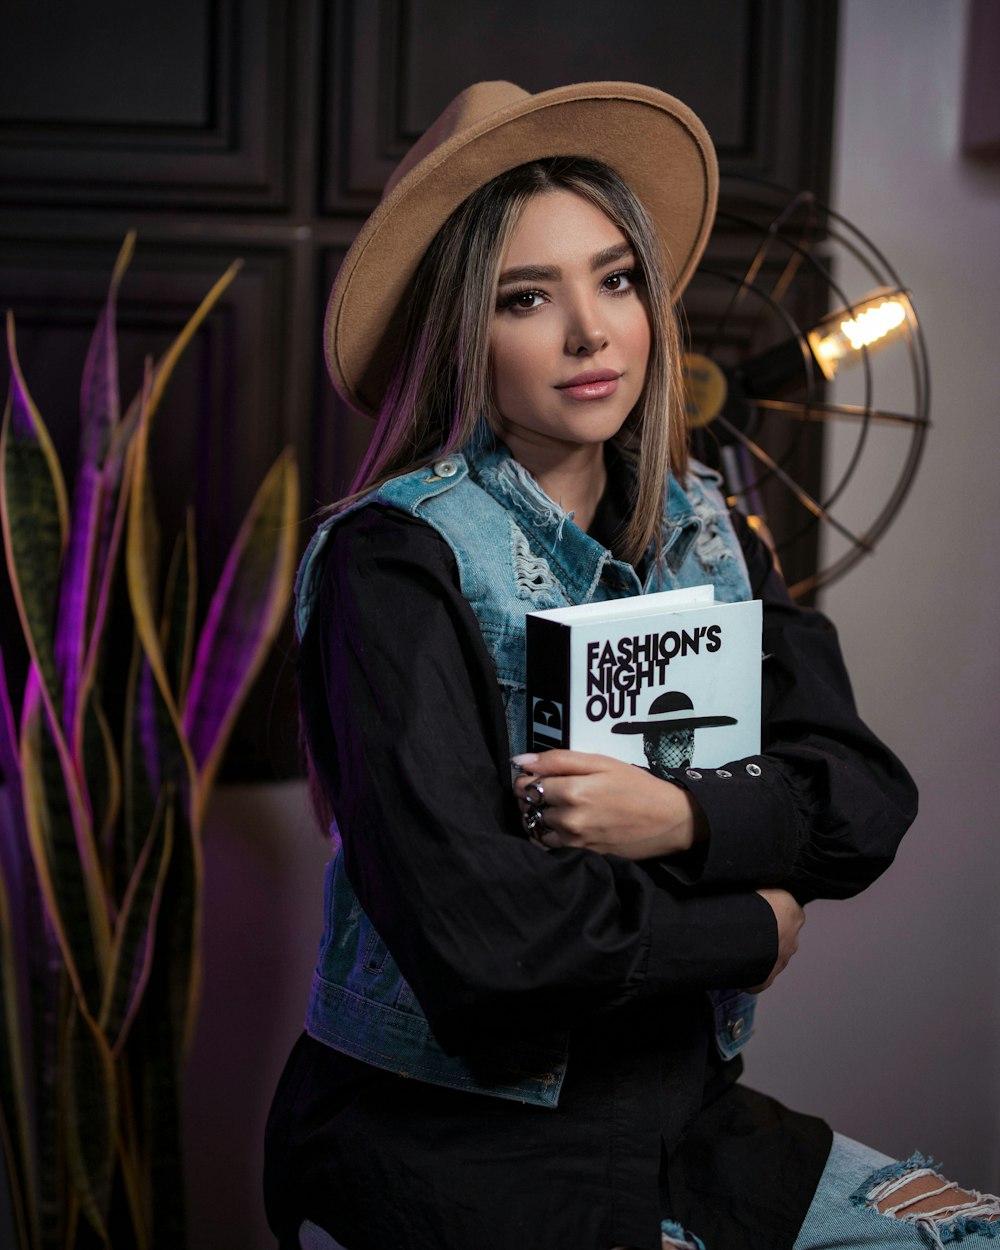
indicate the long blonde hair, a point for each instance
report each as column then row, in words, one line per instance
column 441, row 388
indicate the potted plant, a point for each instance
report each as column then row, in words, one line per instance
column 108, row 756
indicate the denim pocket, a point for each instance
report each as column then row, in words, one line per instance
column 734, row 1012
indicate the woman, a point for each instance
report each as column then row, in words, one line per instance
column 522, row 1029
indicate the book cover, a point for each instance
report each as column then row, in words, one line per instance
column 668, row 680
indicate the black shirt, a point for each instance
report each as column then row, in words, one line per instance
column 404, row 721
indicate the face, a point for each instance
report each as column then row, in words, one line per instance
column 668, row 749
column 570, row 338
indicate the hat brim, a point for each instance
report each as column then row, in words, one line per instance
column 652, row 140
column 665, row 724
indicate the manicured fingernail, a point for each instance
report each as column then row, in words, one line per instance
column 529, row 757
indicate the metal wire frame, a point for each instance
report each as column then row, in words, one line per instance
column 805, row 235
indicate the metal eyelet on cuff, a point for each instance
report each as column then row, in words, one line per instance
column 693, row 773
column 754, row 770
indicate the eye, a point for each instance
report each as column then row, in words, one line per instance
column 523, row 299
column 620, row 281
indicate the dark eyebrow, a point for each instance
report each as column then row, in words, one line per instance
column 530, row 273
column 610, row 255
column 552, row 273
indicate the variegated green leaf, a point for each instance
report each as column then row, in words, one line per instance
column 63, row 849
column 243, row 618
column 16, row 1149
column 136, row 931
column 33, row 513
column 101, row 768
column 91, row 1118
column 179, row 601
column 140, row 565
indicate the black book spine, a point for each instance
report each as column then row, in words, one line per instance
column 548, row 685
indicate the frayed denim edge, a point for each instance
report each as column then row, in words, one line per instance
column 891, row 1172
column 679, row 1236
column 954, row 1229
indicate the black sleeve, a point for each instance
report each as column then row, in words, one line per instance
column 822, row 809
column 405, row 724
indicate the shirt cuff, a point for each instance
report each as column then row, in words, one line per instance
column 722, row 941
column 752, row 825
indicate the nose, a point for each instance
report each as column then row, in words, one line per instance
column 584, row 336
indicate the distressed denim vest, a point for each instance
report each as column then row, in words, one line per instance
column 517, row 552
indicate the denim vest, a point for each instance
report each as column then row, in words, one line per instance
column 517, row 552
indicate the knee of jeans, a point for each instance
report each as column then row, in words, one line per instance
column 915, row 1192
column 674, row 1237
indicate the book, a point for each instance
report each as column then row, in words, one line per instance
column 666, row 680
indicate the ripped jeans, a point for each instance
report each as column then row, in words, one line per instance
column 861, row 1202
column 865, row 1201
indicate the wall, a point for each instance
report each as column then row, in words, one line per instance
column 886, row 1022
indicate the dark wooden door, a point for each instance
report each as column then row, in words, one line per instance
column 263, row 129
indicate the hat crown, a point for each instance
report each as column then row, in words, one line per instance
column 653, row 141
column 670, row 701
column 464, row 113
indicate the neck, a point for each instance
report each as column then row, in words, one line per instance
column 574, row 477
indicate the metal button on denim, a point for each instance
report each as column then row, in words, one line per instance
column 735, row 1028
column 446, row 468
column 753, row 770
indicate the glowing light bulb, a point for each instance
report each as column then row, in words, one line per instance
column 840, row 336
column 868, row 327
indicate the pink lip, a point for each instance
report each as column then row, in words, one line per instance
column 593, row 384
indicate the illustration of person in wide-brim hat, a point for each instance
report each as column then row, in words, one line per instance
column 668, row 731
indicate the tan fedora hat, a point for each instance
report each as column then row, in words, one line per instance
column 655, row 142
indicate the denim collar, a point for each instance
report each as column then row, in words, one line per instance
column 581, row 561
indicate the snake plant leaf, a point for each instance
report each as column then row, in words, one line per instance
column 243, row 617
column 63, row 849
column 15, row 1120
column 139, row 792
column 165, row 366
column 100, row 411
column 135, row 932
column 10, row 765
column 165, row 1027
column 185, row 969
column 162, row 1061
column 102, row 770
column 158, row 757
column 179, row 601
column 50, row 994
column 34, row 517
column 91, row 1116
column 141, row 561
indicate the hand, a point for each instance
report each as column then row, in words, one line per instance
column 602, row 804
column 790, row 918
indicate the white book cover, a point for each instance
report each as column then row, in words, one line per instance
column 668, row 680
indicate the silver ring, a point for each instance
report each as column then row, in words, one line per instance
column 533, row 822
column 538, row 798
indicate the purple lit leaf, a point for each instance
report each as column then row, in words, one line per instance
column 243, row 617
column 10, row 765
column 99, row 415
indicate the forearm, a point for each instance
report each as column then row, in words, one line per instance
column 822, row 809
